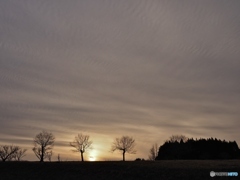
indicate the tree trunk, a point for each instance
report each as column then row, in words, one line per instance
column 41, row 158
column 123, row 155
column 82, row 156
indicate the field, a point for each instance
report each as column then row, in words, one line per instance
column 175, row 169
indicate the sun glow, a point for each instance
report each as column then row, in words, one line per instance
column 91, row 158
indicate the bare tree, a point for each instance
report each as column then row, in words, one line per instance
column 20, row 153
column 153, row 152
column 59, row 158
column 124, row 144
column 81, row 143
column 178, row 138
column 43, row 144
column 7, row 152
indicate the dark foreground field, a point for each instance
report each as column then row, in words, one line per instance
column 178, row 170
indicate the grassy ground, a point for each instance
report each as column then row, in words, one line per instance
column 178, row 170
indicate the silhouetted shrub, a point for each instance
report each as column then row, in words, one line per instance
column 138, row 159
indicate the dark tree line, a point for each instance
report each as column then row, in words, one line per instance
column 176, row 147
column 199, row 149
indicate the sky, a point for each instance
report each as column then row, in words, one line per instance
column 108, row 68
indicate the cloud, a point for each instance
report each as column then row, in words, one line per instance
column 150, row 69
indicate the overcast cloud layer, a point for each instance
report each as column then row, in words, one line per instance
column 147, row 69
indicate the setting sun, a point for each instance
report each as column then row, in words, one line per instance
column 91, row 158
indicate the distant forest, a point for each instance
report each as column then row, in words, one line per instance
column 198, row 149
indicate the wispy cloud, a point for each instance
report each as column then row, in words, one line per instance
column 147, row 69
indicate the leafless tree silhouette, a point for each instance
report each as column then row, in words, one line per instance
column 43, row 144
column 153, row 152
column 20, row 153
column 81, row 144
column 58, row 158
column 124, row 144
column 178, row 138
column 7, row 152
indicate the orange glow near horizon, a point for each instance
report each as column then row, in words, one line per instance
column 91, row 158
